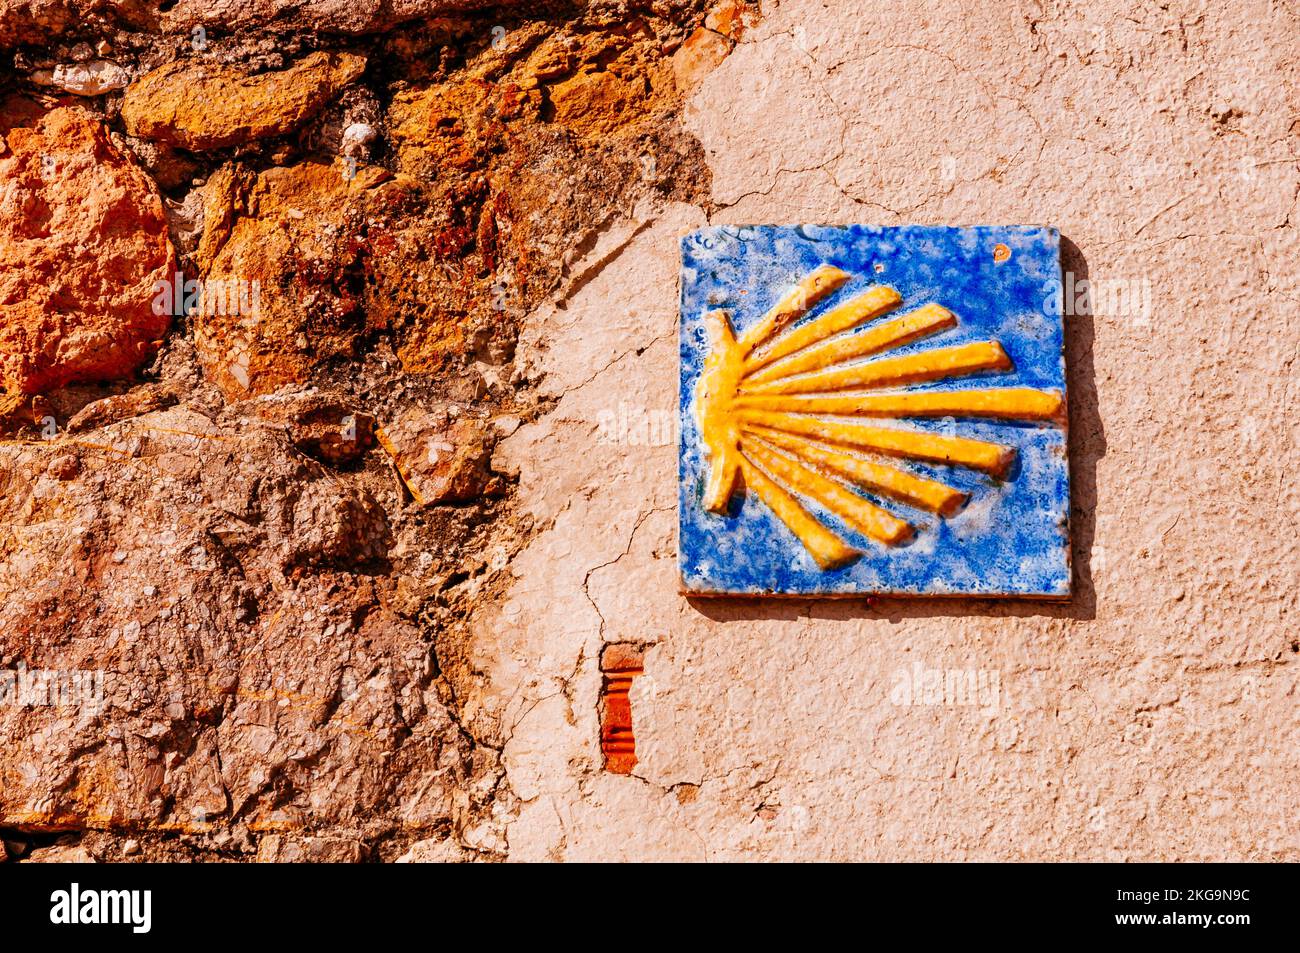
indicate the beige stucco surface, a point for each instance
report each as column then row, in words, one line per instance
column 1153, row 717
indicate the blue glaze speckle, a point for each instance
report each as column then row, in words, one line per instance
column 1012, row 538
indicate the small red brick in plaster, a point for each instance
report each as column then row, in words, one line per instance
column 621, row 664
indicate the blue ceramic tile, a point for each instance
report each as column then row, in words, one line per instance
column 1000, row 284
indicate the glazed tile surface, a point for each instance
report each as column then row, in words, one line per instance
column 873, row 410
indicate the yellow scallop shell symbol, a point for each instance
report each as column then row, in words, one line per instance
column 782, row 406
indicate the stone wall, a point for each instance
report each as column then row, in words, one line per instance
column 364, row 565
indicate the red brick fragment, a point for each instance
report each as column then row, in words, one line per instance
column 621, row 664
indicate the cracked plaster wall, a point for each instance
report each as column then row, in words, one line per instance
column 1154, row 717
